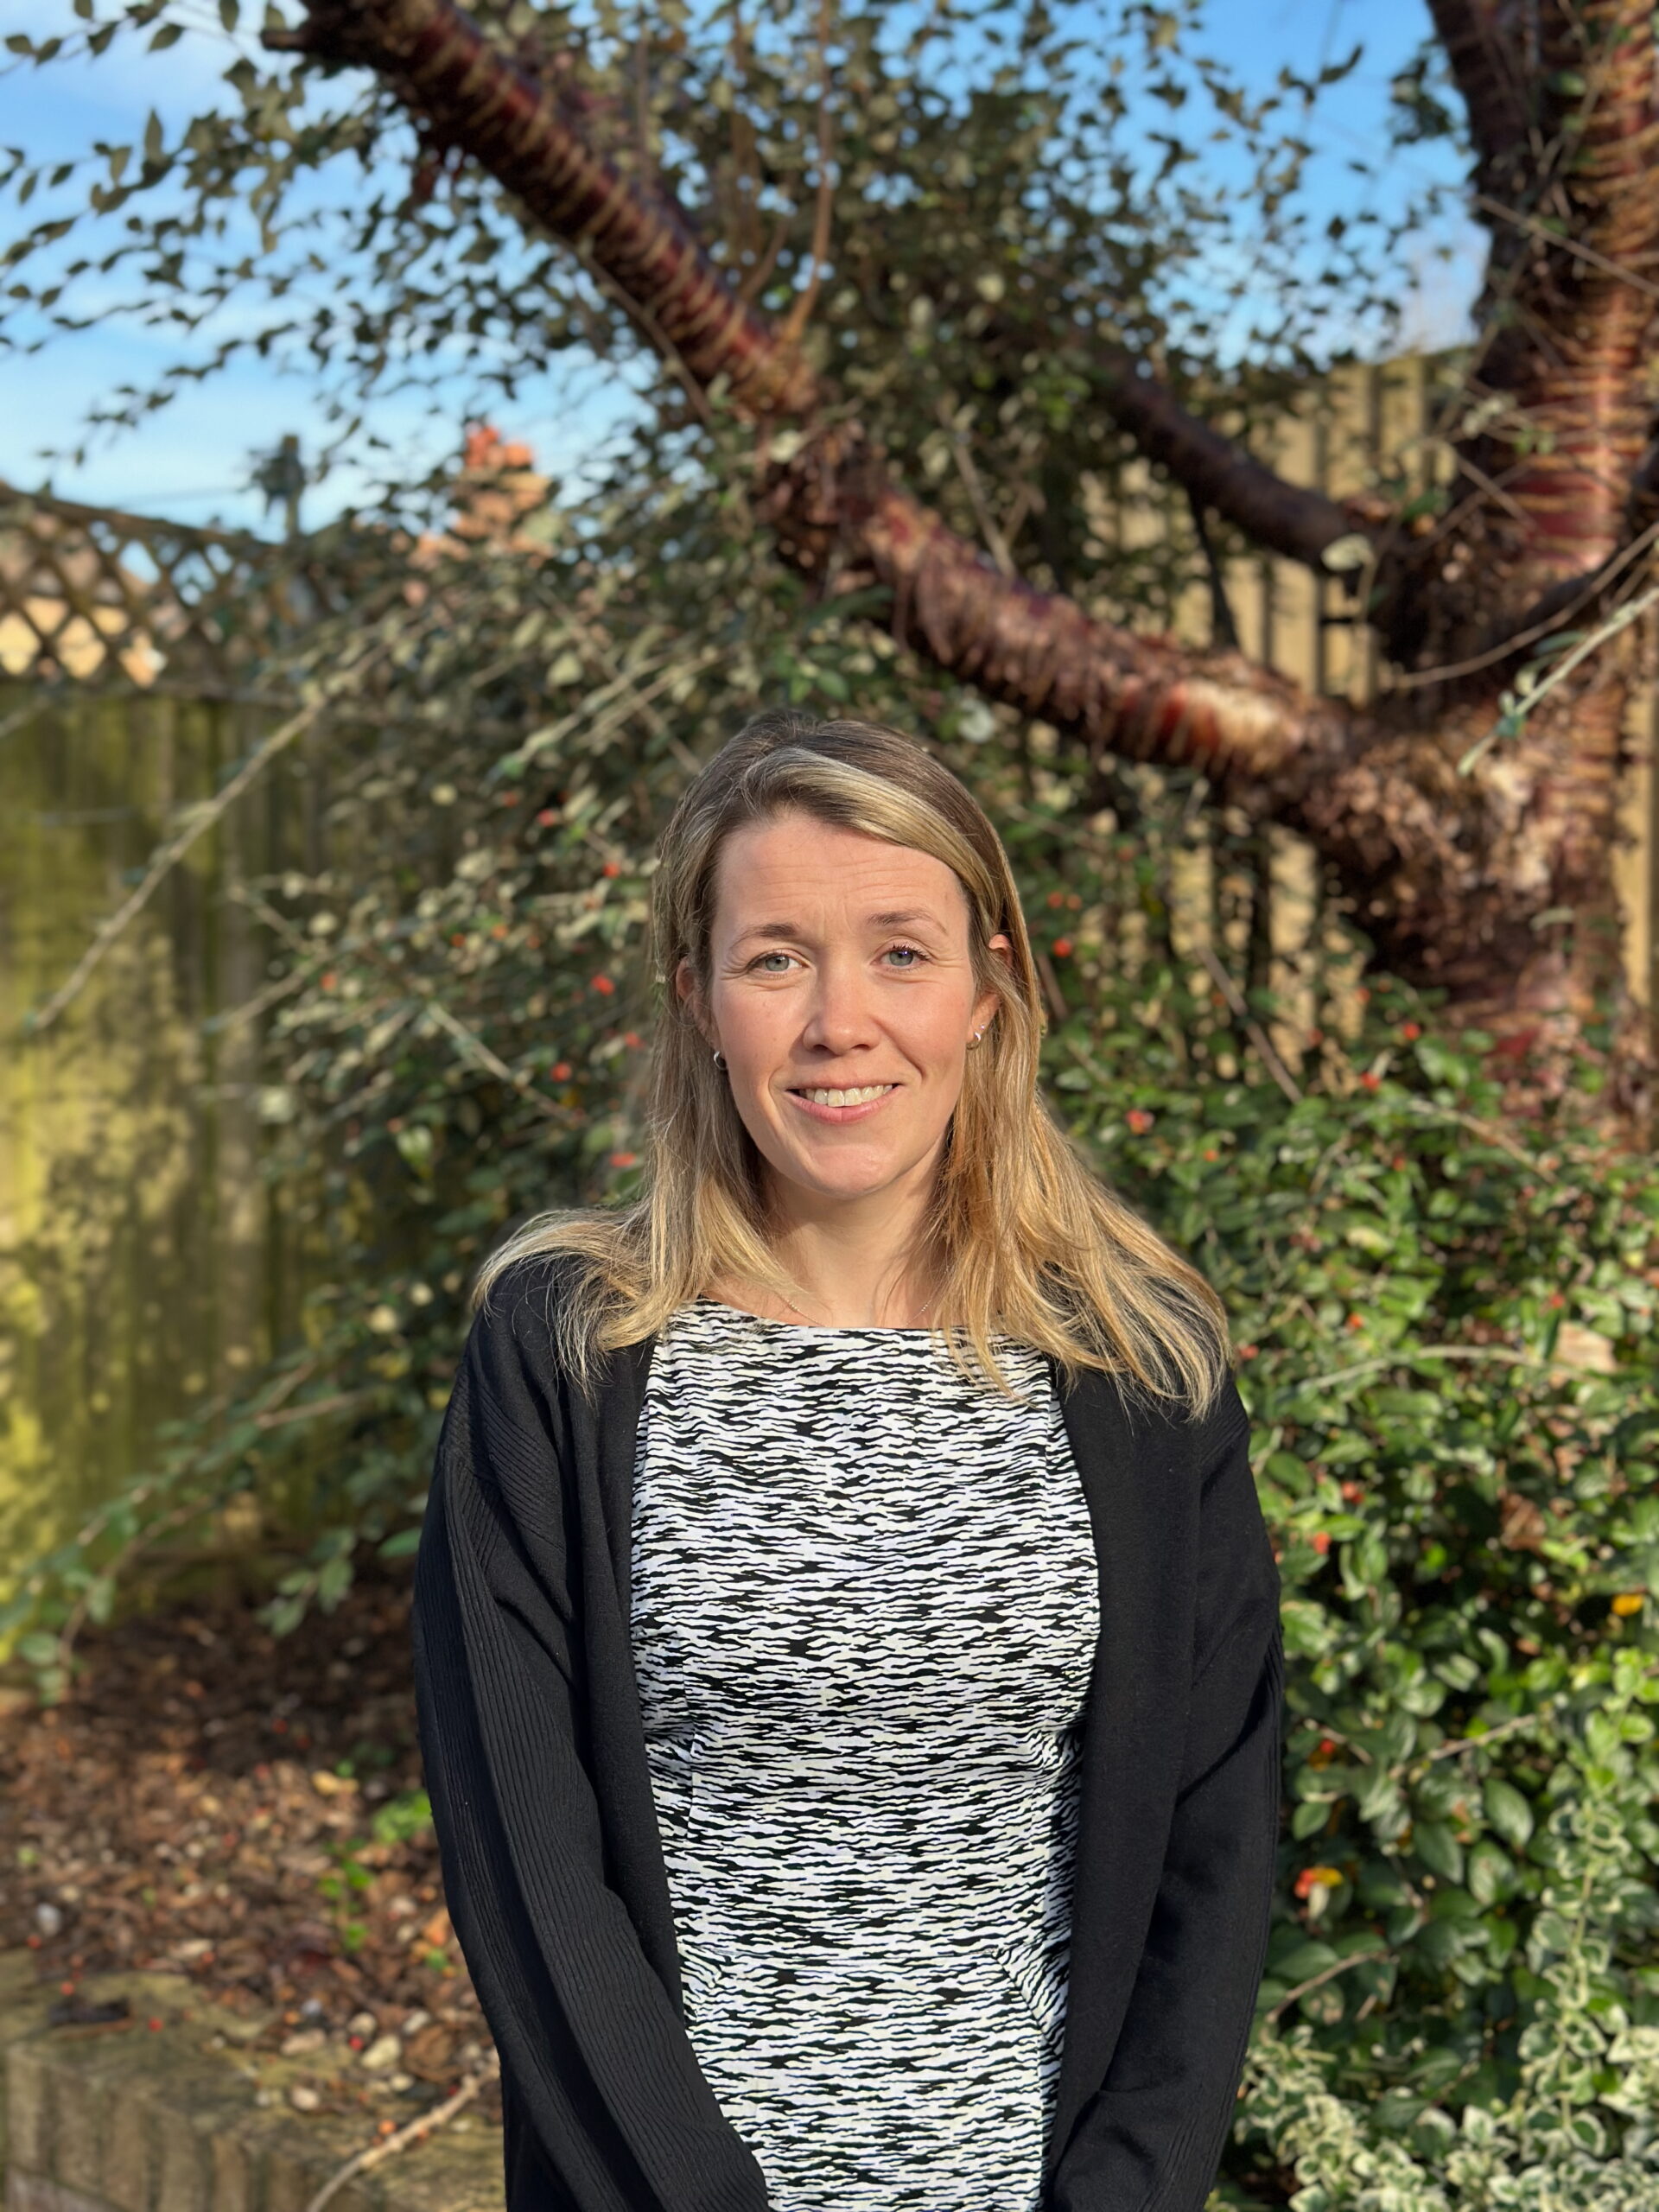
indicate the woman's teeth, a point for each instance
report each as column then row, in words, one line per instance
column 846, row 1098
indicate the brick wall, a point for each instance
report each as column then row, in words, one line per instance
column 184, row 2118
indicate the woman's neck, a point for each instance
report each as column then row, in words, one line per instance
column 842, row 1312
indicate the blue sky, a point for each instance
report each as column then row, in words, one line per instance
column 190, row 459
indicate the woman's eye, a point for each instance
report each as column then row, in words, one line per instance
column 914, row 950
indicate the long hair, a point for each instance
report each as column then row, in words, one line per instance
column 1021, row 1236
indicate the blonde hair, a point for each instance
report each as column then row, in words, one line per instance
column 1021, row 1236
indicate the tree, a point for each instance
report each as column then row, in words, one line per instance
column 1494, row 884
column 1469, row 814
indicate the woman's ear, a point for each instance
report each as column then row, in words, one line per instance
column 1001, row 948
column 685, row 986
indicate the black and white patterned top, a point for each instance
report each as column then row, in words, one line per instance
column 864, row 1607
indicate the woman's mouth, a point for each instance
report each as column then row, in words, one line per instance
column 825, row 1104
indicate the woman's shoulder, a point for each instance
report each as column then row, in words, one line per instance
column 1174, row 1421
column 531, row 1277
column 517, row 1316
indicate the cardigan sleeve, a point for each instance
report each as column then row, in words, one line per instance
column 1151, row 2140
column 604, row 2105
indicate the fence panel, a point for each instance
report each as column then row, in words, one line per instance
column 143, row 1263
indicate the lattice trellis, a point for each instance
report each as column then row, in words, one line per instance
column 91, row 595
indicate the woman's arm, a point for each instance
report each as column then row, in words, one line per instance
column 609, row 2110
column 1150, row 2140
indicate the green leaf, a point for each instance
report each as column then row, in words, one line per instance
column 168, row 34
column 1508, row 1810
column 1304, row 1960
column 403, row 1820
column 1492, row 1873
column 1439, row 1849
column 333, row 1580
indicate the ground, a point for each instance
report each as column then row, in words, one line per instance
column 207, row 1803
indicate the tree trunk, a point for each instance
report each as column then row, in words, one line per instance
column 1546, row 522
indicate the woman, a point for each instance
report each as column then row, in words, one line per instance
column 847, row 1639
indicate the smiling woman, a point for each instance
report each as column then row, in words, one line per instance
column 832, row 908
column 847, row 1641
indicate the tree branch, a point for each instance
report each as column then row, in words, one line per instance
column 1146, row 697
column 437, row 61
column 1287, row 518
column 1580, row 230
column 1486, row 69
column 1040, row 651
column 1223, row 631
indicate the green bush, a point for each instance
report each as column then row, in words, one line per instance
column 1448, row 1346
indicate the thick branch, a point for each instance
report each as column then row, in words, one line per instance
column 1281, row 517
column 836, row 508
column 1042, row 652
column 438, row 62
column 1447, row 868
column 1483, row 52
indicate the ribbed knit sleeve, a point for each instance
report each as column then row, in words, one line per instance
column 607, row 2110
column 1151, row 2140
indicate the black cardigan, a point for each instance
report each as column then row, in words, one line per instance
column 535, row 1757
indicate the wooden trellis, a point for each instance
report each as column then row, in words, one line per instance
column 94, row 595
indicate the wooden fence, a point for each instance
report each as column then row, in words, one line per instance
column 143, row 1263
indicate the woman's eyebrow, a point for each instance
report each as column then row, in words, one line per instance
column 898, row 918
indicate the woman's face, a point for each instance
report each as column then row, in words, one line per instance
column 839, row 961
